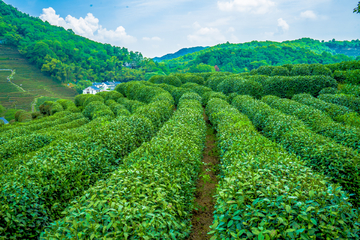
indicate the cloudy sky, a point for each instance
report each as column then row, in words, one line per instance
column 158, row 27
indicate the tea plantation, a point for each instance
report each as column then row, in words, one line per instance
column 125, row 164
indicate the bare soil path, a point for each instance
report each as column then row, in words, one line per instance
column 203, row 217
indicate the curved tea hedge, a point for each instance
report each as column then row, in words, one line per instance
column 343, row 100
column 266, row 193
column 289, row 86
column 338, row 162
column 151, row 195
column 317, row 120
column 336, row 112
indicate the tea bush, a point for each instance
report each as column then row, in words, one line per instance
column 343, row 100
column 317, row 120
column 339, row 163
column 266, row 193
column 151, row 194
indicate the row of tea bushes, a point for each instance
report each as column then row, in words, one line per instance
column 317, row 121
column 43, row 186
column 293, row 70
column 343, row 100
column 350, row 89
column 336, row 112
column 21, row 131
column 266, row 193
column 350, row 77
column 323, row 154
column 42, row 120
column 37, row 140
column 151, row 195
column 144, row 92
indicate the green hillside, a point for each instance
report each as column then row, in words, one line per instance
column 33, row 82
column 244, row 57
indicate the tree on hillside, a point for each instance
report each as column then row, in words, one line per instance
column 357, row 9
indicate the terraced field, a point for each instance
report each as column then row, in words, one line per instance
column 30, row 78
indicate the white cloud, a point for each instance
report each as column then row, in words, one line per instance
column 205, row 35
column 253, row 6
column 283, row 24
column 152, row 39
column 308, row 14
column 88, row 27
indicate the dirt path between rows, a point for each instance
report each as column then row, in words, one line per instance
column 206, row 188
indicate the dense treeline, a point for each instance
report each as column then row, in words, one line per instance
column 66, row 56
column 247, row 56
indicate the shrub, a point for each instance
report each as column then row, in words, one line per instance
column 97, row 109
column 192, row 78
column 110, row 95
column 209, row 95
column 317, row 120
column 259, row 180
column 279, row 71
column 241, row 86
column 92, row 98
column 130, row 105
column 289, row 86
column 343, row 100
column 66, row 104
column 300, row 70
column 319, row 69
column 17, row 115
column 161, row 175
column 49, row 108
column 339, row 163
column 328, row 90
column 80, row 99
column 350, row 89
column 264, row 70
column 190, row 96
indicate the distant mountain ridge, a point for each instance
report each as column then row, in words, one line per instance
column 179, row 53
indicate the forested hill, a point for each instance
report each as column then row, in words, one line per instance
column 64, row 55
column 247, row 56
column 179, row 53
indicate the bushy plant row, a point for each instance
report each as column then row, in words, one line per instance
column 49, row 108
column 338, row 162
column 266, row 193
column 336, row 112
column 343, row 100
column 289, row 86
column 293, row 70
column 317, row 121
column 51, row 178
column 144, row 92
column 16, row 132
column 32, row 142
column 151, row 195
column 350, row 89
column 44, row 119
column 97, row 109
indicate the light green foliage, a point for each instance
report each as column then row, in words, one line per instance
column 152, row 191
column 92, row 98
column 241, row 86
column 343, row 100
column 339, row 163
column 338, row 113
column 97, row 109
column 130, row 105
column 317, row 120
column 266, row 193
column 190, row 96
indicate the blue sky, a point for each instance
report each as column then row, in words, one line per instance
column 158, row 27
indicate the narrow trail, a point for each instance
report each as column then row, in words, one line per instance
column 203, row 216
column 33, row 104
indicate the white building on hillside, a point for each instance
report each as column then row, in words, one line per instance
column 100, row 87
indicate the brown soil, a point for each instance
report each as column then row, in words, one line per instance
column 203, row 217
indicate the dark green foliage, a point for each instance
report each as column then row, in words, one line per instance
column 289, row 86
column 266, row 193
column 130, row 105
column 36, row 115
column 350, row 89
column 209, row 95
column 192, row 78
column 339, row 163
column 319, row 69
column 17, row 115
column 349, row 76
column 171, row 80
column 343, row 100
column 264, row 70
column 328, row 90
column 110, row 95
column 279, row 71
column 241, row 86
column 92, row 98
column 152, row 191
column 80, row 99
column 24, row 117
column 97, row 109
column 300, row 70
column 317, row 120
column 66, row 104
column 49, row 108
